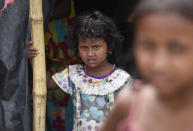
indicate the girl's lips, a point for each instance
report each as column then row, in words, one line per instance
column 91, row 61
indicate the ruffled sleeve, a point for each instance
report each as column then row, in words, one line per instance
column 63, row 81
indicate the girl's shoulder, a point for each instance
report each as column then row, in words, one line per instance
column 123, row 77
column 123, row 73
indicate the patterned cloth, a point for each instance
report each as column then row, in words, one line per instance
column 91, row 102
column 58, row 56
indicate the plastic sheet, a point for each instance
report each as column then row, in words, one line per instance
column 14, row 104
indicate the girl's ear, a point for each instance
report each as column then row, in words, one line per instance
column 110, row 50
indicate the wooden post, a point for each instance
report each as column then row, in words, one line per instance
column 39, row 71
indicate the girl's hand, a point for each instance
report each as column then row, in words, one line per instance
column 31, row 52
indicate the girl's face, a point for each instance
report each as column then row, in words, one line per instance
column 93, row 52
column 164, row 51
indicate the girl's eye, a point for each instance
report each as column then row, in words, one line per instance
column 176, row 47
column 96, row 47
column 146, row 45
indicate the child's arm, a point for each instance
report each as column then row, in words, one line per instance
column 51, row 84
column 119, row 112
column 33, row 52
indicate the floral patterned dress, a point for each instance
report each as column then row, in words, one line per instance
column 91, row 102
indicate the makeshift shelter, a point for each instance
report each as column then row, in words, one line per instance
column 14, row 35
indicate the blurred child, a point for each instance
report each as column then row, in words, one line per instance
column 93, row 84
column 164, row 55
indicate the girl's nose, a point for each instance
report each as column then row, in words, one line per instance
column 90, row 52
column 160, row 61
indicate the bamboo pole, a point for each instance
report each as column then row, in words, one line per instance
column 39, row 71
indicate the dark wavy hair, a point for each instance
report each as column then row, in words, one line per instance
column 182, row 7
column 96, row 25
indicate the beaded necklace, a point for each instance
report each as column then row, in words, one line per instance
column 91, row 82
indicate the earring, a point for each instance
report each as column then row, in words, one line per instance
column 110, row 52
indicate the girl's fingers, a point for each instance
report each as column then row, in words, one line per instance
column 33, row 49
column 32, row 53
column 35, row 53
column 30, row 47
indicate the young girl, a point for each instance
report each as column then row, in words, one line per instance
column 94, row 84
column 164, row 55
